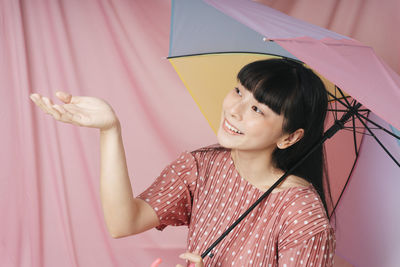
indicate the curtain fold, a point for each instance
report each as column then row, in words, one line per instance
column 49, row 200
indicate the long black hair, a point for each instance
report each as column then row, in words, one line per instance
column 289, row 88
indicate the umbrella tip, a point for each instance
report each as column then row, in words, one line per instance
column 266, row 39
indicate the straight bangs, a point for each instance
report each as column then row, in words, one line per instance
column 274, row 85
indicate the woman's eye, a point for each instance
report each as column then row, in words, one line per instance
column 238, row 91
column 256, row 109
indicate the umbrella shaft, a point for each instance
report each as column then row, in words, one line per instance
column 339, row 124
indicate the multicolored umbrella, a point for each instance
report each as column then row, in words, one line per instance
column 211, row 40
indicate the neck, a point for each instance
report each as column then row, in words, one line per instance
column 256, row 167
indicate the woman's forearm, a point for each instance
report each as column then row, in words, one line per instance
column 115, row 188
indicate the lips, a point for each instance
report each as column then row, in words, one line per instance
column 230, row 128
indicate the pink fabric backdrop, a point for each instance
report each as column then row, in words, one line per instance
column 49, row 201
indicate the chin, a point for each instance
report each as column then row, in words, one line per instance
column 224, row 140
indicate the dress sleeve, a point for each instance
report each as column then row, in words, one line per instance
column 171, row 193
column 306, row 237
column 317, row 250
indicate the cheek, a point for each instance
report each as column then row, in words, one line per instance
column 224, row 107
column 258, row 129
column 265, row 132
column 227, row 100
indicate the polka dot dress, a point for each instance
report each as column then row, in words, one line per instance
column 202, row 189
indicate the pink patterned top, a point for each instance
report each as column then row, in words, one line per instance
column 203, row 190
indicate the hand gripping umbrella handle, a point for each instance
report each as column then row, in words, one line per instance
column 156, row 263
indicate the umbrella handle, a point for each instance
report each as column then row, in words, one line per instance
column 158, row 261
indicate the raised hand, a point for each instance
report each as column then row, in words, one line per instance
column 79, row 110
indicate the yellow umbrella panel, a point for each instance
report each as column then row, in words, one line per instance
column 209, row 77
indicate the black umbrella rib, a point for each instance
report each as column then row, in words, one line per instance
column 344, row 110
column 345, row 99
column 380, row 127
column 350, row 129
column 331, row 100
column 344, row 187
column 369, row 130
column 336, row 117
column 366, row 118
column 338, row 100
column 361, row 127
column 354, row 136
column 236, row 52
column 377, row 140
column 334, row 111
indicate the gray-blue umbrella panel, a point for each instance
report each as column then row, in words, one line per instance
column 198, row 28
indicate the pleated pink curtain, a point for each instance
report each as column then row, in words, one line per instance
column 49, row 202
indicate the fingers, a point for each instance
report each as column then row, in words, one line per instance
column 49, row 107
column 58, row 112
column 194, row 258
column 64, row 97
column 44, row 103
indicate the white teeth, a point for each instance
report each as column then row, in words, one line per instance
column 231, row 128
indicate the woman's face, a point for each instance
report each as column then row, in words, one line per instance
column 247, row 124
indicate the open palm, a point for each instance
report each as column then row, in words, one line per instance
column 79, row 110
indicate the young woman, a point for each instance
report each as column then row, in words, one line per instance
column 271, row 118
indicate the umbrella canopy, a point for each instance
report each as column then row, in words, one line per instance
column 240, row 26
column 211, row 40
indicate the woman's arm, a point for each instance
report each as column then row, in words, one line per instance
column 124, row 214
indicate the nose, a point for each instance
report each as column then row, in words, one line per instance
column 236, row 110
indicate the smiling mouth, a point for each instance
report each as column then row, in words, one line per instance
column 230, row 128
